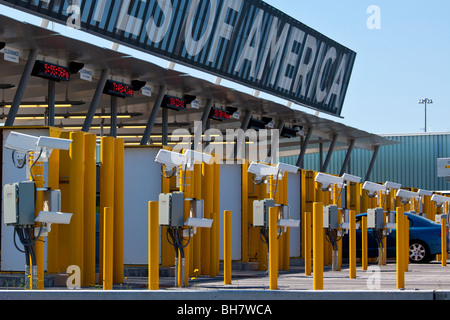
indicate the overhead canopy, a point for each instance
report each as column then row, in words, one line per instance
column 134, row 112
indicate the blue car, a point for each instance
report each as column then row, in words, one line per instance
column 424, row 240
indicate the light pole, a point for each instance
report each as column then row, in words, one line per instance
column 425, row 102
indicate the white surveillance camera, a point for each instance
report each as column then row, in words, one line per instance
column 326, row 180
column 262, row 170
column 290, row 223
column 170, row 159
column 440, row 200
column 351, row 178
column 287, row 168
column 406, row 195
column 392, row 185
column 425, row 192
column 54, row 143
column 21, row 143
column 373, row 188
column 196, row 156
column 54, row 217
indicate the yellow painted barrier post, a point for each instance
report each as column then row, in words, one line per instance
column 399, row 249
column 406, row 242
column 216, row 206
column 364, row 243
column 108, row 238
column 273, row 249
column 352, row 244
column 318, row 246
column 307, row 231
column 208, row 197
column 106, row 186
column 227, row 247
column 76, row 186
column 90, row 204
column 244, row 213
column 118, row 270
column 153, row 246
column 38, row 277
column 444, row 240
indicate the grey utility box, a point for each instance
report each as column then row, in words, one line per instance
column 171, row 209
column 375, row 218
column 19, row 204
column 331, row 217
column 261, row 212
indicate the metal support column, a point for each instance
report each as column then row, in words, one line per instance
column 165, row 126
column 113, row 132
column 21, row 88
column 329, row 154
column 347, row 157
column 153, row 115
column 51, row 103
column 206, row 112
column 95, row 100
column 372, row 162
column 304, row 146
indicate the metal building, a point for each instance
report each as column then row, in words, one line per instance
column 412, row 161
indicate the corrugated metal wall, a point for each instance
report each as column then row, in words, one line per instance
column 412, row 162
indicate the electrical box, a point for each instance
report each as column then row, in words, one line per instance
column 375, row 218
column 331, row 217
column 261, row 212
column 171, row 209
column 19, row 204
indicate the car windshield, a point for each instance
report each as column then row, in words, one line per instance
column 414, row 219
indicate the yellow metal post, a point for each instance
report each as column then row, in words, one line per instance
column 273, row 249
column 400, row 248
column 318, row 246
column 118, row 269
column 244, row 213
column 406, row 242
column 216, row 209
column 106, row 186
column 90, row 203
column 208, row 197
column 227, row 247
column 307, row 237
column 76, row 180
column 444, row 241
column 108, row 227
column 352, row 244
column 364, row 243
column 153, row 246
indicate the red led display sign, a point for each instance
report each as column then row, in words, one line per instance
column 50, row 71
column 219, row 114
column 118, row 89
column 173, row 103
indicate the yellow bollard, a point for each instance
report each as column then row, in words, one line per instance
column 364, row 243
column 118, row 210
column 307, row 232
column 444, row 241
column 318, row 246
column 273, row 248
column 244, row 213
column 108, row 238
column 38, row 173
column 400, row 248
column 406, row 242
column 216, row 207
column 153, row 246
column 208, row 197
column 352, row 244
column 227, row 247
column 90, row 203
column 106, row 186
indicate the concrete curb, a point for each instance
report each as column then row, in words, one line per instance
column 231, row 295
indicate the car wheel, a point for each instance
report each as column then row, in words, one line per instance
column 419, row 252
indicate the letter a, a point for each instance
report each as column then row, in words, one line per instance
column 374, row 21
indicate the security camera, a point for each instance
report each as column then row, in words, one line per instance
column 406, row 195
column 440, row 200
column 261, row 170
column 326, row 180
column 350, row 178
column 196, row 156
column 170, row 159
column 21, row 143
column 54, row 143
column 287, row 168
column 392, row 185
column 373, row 188
column 425, row 192
column 290, row 223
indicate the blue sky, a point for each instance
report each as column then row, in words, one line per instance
column 405, row 60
